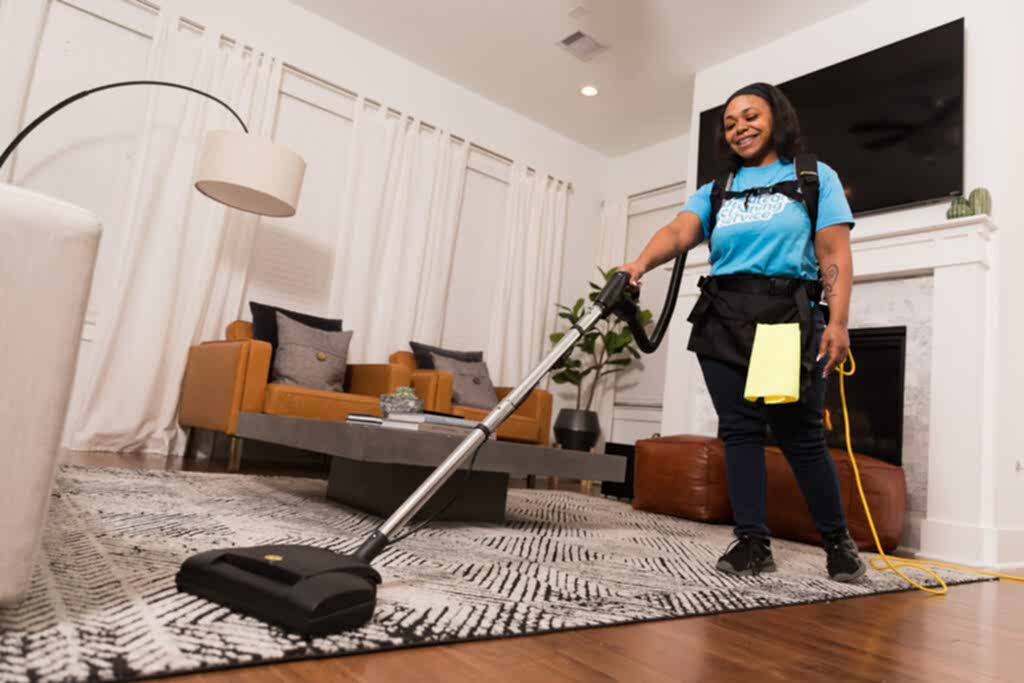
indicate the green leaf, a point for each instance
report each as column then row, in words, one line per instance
column 620, row 361
column 633, row 352
column 577, row 307
column 560, row 378
column 572, row 376
column 556, row 337
column 589, row 340
column 645, row 317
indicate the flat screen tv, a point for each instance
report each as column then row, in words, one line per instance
column 889, row 121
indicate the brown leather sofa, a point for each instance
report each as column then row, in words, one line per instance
column 685, row 476
column 225, row 378
column 530, row 423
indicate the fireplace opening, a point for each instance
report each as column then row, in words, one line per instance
column 874, row 395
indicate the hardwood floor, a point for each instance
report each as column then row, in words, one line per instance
column 975, row 633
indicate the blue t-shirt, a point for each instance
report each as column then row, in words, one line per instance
column 771, row 235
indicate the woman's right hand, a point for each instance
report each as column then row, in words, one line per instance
column 636, row 271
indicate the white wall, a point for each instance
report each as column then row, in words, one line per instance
column 649, row 168
column 1008, row 510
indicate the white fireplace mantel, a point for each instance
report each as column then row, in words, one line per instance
column 960, row 256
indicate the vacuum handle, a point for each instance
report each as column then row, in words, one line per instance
column 614, row 291
column 626, row 310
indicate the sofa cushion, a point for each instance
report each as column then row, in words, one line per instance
column 425, row 362
column 264, row 324
column 293, row 401
column 471, row 385
column 310, row 357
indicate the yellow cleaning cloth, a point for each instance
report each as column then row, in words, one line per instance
column 774, row 372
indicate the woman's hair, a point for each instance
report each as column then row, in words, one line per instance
column 785, row 126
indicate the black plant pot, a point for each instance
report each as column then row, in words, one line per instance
column 577, row 429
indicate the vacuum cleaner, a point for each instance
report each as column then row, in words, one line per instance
column 313, row 591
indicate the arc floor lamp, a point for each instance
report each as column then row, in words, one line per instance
column 238, row 169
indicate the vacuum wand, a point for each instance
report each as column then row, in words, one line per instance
column 312, row 590
column 614, row 298
column 464, row 451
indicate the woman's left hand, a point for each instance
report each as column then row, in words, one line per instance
column 835, row 343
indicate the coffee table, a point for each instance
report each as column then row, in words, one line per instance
column 375, row 468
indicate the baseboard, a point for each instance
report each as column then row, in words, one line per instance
column 1001, row 549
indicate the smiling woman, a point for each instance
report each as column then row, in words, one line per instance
column 782, row 242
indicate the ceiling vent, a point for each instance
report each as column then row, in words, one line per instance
column 582, row 46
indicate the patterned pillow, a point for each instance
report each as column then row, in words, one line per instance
column 472, row 385
column 308, row 357
column 422, row 353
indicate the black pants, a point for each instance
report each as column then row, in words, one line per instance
column 798, row 430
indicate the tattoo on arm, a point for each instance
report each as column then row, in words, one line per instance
column 828, row 280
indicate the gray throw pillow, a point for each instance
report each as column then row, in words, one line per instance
column 471, row 385
column 308, row 357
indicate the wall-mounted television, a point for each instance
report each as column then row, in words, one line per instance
column 889, row 121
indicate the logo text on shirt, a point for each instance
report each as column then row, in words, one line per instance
column 752, row 209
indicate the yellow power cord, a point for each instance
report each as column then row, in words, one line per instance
column 886, row 563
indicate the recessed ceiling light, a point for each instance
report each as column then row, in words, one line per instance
column 588, row 91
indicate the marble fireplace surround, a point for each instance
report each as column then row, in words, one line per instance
column 953, row 262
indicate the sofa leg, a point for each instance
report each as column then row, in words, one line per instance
column 235, row 454
column 190, row 444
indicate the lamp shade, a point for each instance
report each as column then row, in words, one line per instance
column 250, row 173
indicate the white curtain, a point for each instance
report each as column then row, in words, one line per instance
column 21, row 30
column 182, row 265
column 396, row 232
column 611, row 252
column 528, row 275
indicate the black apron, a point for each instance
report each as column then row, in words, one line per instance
column 730, row 307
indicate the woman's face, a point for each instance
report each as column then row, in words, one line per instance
column 748, row 127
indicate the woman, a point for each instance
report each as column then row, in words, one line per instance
column 768, row 266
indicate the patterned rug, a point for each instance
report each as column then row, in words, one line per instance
column 103, row 605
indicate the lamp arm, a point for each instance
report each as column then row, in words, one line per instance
column 60, row 105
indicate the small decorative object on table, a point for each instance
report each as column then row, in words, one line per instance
column 959, row 208
column 404, row 400
column 981, row 201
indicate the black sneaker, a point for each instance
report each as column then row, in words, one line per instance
column 844, row 564
column 747, row 556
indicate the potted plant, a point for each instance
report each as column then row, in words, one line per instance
column 606, row 349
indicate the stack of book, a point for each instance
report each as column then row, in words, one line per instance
column 451, row 425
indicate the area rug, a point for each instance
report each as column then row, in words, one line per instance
column 103, row 605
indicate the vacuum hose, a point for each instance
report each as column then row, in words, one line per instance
column 618, row 298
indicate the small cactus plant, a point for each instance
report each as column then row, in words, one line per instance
column 404, row 400
column 405, row 392
column 980, row 201
column 959, row 208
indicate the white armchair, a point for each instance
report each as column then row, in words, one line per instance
column 46, row 263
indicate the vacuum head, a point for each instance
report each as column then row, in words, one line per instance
column 310, row 591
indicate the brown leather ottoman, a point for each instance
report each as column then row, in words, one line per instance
column 685, row 476
column 682, row 476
